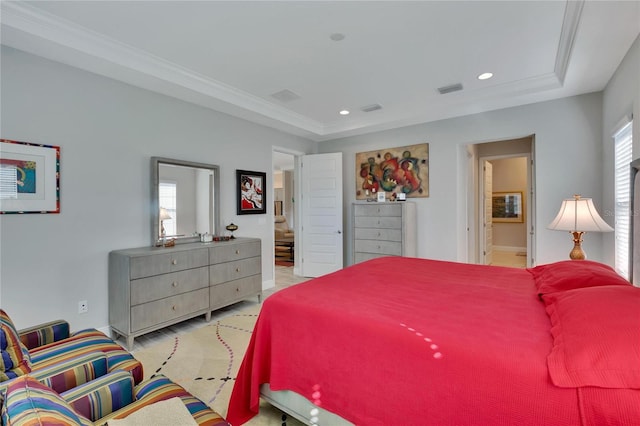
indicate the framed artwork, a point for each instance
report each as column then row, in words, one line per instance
column 252, row 198
column 398, row 170
column 29, row 177
column 507, row 207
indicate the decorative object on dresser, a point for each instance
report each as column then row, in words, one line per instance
column 231, row 228
column 151, row 288
column 251, row 198
column 402, row 169
column 383, row 229
column 29, row 177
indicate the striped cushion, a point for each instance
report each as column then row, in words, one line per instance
column 28, row 402
column 44, row 334
column 74, row 372
column 160, row 388
column 102, row 396
column 84, row 342
column 70, row 373
column 14, row 357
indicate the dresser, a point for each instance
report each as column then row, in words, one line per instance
column 383, row 229
column 154, row 287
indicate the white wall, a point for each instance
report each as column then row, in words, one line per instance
column 108, row 131
column 621, row 97
column 567, row 152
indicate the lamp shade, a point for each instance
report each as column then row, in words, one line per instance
column 579, row 214
column 164, row 214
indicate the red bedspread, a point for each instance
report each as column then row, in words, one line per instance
column 413, row 342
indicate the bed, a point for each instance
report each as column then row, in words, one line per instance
column 421, row 342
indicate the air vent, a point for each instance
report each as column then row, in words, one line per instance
column 370, row 108
column 448, row 89
column 285, row 95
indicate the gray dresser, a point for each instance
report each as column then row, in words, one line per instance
column 383, row 229
column 151, row 288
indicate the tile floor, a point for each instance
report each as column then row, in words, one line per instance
column 509, row 258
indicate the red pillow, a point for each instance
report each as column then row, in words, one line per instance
column 596, row 337
column 570, row 274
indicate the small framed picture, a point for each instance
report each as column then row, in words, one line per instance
column 251, row 186
column 29, row 177
column 382, row 197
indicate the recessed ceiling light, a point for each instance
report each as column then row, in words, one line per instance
column 344, row 112
column 337, row 36
column 485, row 76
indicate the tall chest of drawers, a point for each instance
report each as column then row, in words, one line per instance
column 383, row 229
column 151, row 288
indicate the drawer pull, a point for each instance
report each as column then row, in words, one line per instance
column 174, row 262
column 237, row 269
column 237, row 289
column 173, row 308
column 175, row 284
column 237, row 251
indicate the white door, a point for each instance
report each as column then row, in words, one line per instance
column 487, row 184
column 321, row 213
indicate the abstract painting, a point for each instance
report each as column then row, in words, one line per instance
column 398, row 170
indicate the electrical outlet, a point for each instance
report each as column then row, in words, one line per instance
column 83, row 307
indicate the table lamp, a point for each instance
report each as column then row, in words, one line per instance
column 578, row 215
column 164, row 215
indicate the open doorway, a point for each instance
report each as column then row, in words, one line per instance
column 505, row 202
column 505, row 194
column 284, row 208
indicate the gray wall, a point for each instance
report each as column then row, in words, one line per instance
column 621, row 97
column 108, row 131
column 568, row 154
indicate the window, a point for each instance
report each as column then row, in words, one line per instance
column 167, row 191
column 623, row 154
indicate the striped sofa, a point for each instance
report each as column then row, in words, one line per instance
column 58, row 358
column 110, row 397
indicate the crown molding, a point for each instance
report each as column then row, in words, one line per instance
column 570, row 23
column 36, row 22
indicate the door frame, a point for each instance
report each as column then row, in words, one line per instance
column 297, row 241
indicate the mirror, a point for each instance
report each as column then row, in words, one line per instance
column 184, row 199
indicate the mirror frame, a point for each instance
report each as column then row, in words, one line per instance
column 155, row 203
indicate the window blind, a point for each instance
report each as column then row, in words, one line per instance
column 623, row 156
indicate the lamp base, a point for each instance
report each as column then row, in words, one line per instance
column 577, row 253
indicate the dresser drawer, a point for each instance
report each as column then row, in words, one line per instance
column 227, row 253
column 146, row 266
column 381, row 247
column 230, row 271
column 165, row 310
column 232, row 291
column 391, row 222
column 361, row 257
column 160, row 286
column 377, row 210
column 378, row 234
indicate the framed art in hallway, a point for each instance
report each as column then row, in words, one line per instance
column 507, row 207
column 29, row 177
column 251, row 196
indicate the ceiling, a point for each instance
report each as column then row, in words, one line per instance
column 234, row 56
